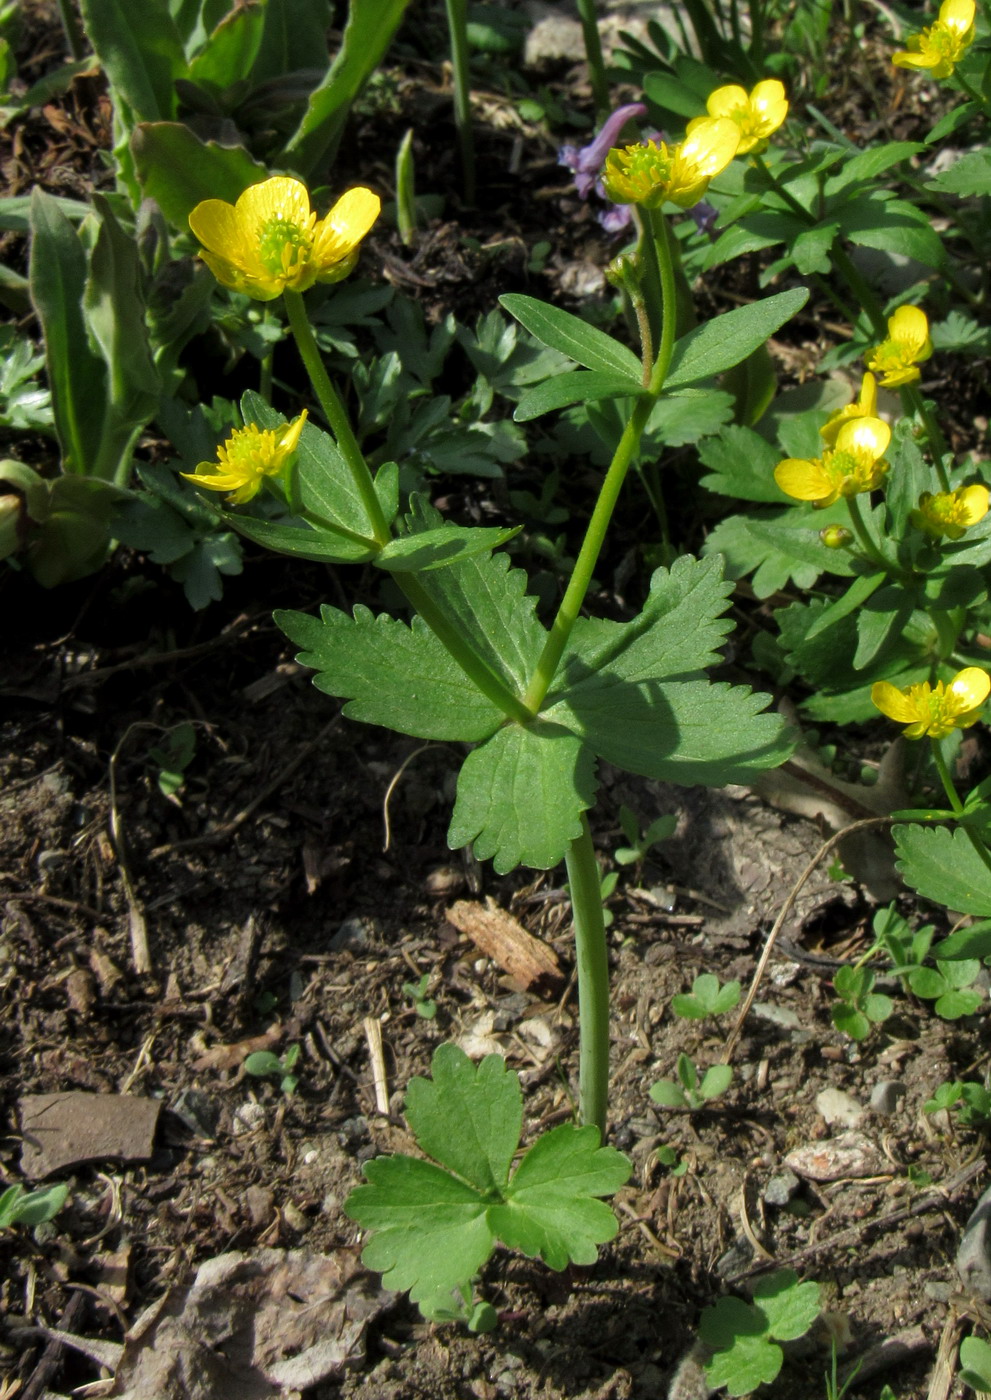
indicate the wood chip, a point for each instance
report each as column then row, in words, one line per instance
column 61, row 1130
column 531, row 963
column 230, row 1056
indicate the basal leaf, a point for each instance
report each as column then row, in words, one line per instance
column 140, row 51
column 789, row 1306
column 468, row 1117
column 777, row 548
column 944, row 866
column 432, row 1235
column 323, row 546
column 752, row 1361
column 573, row 337
column 677, row 731
column 177, row 169
column 115, row 315
column 390, row 674
column 552, row 1210
column 742, row 465
column 521, row 796
column 726, row 340
column 576, row 386
column 440, row 548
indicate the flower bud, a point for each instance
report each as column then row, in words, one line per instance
column 836, row 537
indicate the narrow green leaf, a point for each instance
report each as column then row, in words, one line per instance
column 573, row 337
column 726, row 340
column 140, row 51
column 76, row 376
column 468, row 1117
column 390, row 674
column 114, row 307
column 944, row 866
column 576, row 386
column 440, row 548
column 973, row 942
column 521, row 796
column 299, row 541
column 858, row 592
column 868, row 164
column 230, row 52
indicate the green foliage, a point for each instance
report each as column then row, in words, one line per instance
column 641, row 842
column 435, row 1223
column 972, row 1102
column 859, row 1006
column 20, row 1207
column 744, row 1336
column 689, row 1091
column 25, row 405
column 707, row 998
column 975, row 1364
column 944, row 866
column 417, row 993
column 171, row 758
column 263, row 1064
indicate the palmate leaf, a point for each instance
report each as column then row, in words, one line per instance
column 434, row 1229
column 390, row 674
column 944, row 866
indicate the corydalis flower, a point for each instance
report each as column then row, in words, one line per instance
column 941, row 47
column 864, row 406
column 248, row 456
column 655, row 172
column 757, row 114
column 271, row 240
column 587, row 161
column 934, row 710
column 950, row 513
column 897, row 359
column 854, row 465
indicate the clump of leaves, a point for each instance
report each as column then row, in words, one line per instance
column 707, row 998
column 970, row 1100
column 640, row 842
column 25, row 404
column 859, row 1006
column 20, row 1207
column 434, row 1224
column 263, row 1063
column 688, row 1091
column 745, row 1336
column 417, row 993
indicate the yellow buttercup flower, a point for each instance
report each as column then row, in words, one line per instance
column 855, row 464
column 248, row 456
column 271, row 239
column 941, row 47
column 897, row 359
column 651, row 173
column 950, row 513
column 756, row 114
column 938, row 710
column 864, row 406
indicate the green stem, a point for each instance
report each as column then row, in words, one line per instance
column 593, row 980
column 944, row 774
column 866, row 543
column 626, row 450
column 972, row 92
column 861, row 291
column 915, row 403
column 335, row 415
column 72, row 28
column 593, row 54
column 457, row 25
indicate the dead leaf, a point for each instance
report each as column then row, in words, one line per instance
column 60, row 1130
column 230, row 1056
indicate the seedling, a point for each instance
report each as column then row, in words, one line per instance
column 971, row 1101
column 859, row 1006
column 417, row 993
column 263, row 1063
column 688, row 1091
column 707, row 998
column 975, row 1364
column 668, row 1157
column 172, row 757
column 640, row 842
column 434, row 1224
column 20, row 1207
column 949, row 985
column 744, row 1336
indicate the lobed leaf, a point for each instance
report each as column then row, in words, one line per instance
column 468, row 1117
column 944, row 866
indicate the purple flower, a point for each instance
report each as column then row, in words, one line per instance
column 704, row 215
column 587, row 161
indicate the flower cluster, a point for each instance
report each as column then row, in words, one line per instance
column 941, row 47
column 757, row 114
column 897, row 359
column 934, row 710
column 248, row 456
column 271, row 240
column 653, row 173
column 854, row 465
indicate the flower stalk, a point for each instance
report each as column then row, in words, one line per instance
column 593, row 979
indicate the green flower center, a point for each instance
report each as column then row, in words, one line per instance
column 250, row 450
column 281, row 243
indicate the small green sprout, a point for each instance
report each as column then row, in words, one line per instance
column 20, row 1207
column 859, row 1006
column 688, row 1091
column 263, row 1063
column 949, row 985
column 417, row 993
column 707, row 998
column 171, row 759
column 640, row 842
column 975, row 1364
column 668, row 1157
column 744, row 1336
column 971, row 1100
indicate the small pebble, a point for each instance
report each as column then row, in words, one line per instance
column 974, row 1253
column 851, row 1154
column 839, row 1108
column 780, row 1189
column 886, row 1096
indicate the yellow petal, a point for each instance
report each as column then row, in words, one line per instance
column 957, row 15
column 727, row 100
column 974, row 501
column 909, row 324
column 711, row 146
column 916, row 60
column 346, row 225
column 805, row 481
column 867, row 402
column 216, row 225
column 868, row 435
column 894, row 703
column 769, row 102
column 970, row 687
column 279, row 197
column 289, row 440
